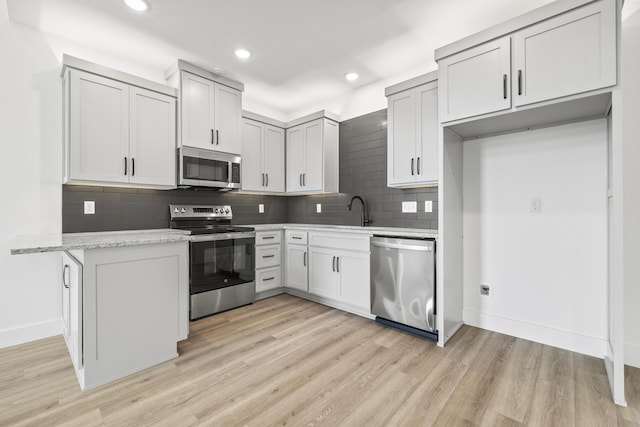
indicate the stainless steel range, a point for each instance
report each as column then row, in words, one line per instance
column 222, row 265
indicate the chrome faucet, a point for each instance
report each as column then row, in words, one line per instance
column 363, row 213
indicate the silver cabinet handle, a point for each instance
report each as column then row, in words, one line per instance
column 262, row 179
column 337, row 264
column 412, row 166
column 133, row 166
column 267, row 176
column 212, row 138
column 268, row 278
column 268, row 237
column 217, row 137
column 64, row 276
column 418, row 166
column 333, row 264
column 504, row 86
column 296, row 237
column 125, row 165
column 268, row 256
column 300, row 180
column 304, row 179
column 304, row 259
column 519, row 82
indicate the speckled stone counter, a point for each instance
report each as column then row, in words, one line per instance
column 103, row 239
column 378, row 231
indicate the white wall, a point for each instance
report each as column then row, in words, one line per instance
column 30, row 131
column 547, row 271
column 631, row 136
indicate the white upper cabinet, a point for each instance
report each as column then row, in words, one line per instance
column 211, row 114
column 412, row 136
column 552, row 53
column 152, row 140
column 572, row 53
column 262, row 157
column 312, row 157
column 476, row 81
column 97, row 128
column 118, row 133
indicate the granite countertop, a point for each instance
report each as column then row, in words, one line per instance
column 379, row 231
column 97, row 240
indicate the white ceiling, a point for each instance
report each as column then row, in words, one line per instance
column 302, row 48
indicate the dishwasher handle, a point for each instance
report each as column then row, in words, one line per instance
column 414, row 247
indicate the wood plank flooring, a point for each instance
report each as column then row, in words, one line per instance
column 287, row 361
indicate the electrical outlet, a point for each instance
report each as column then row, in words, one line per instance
column 89, row 207
column 319, row 208
column 409, row 207
column 428, row 206
column 260, row 208
column 485, row 290
column 536, row 205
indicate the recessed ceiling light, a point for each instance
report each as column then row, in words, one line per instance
column 242, row 53
column 139, row 5
column 351, row 76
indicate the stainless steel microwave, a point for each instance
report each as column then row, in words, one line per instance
column 205, row 168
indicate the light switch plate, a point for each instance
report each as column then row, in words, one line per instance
column 89, row 207
column 409, row 207
column 260, row 208
column 536, row 205
column 428, row 206
column 319, row 208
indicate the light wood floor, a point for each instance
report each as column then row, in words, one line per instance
column 287, row 361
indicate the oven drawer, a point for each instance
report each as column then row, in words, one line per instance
column 267, row 256
column 268, row 237
column 269, row 278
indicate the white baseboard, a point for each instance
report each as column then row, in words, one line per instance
column 632, row 355
column 27, row 333
column 579, row 343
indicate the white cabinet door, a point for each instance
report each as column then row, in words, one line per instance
column 354, row 285
column 197, row 100
column 572, row 53
column 476, row 81
column 273, row 155
column 252, row 163
column 98, row 128
column 427, row 134
column 322, row 272
column 401, row 136
column 152, row 147
column 296, row 158
column 227, row 119
column 296, row 267
column 313, row 175
column 72, row 308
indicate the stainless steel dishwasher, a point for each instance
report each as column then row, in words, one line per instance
column 403, row 282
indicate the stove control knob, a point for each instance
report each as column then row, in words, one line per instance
column 183, row 210
column 217, row 210
column 176, row 211
column 226, row 210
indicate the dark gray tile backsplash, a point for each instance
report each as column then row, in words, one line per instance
column 363, row 163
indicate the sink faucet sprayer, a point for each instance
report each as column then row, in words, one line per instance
column 363, row 213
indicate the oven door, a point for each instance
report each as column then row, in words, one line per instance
column 218, row 264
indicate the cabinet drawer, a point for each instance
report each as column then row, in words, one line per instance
column 296, row 237
column 268, row 278
column 354, row 242
column 267, row 256
column 268, row 237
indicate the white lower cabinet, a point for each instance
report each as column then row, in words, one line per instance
column 296, row 260
column 268, row 261
column 339, row 269
column 71, row 307
column 125, row 309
